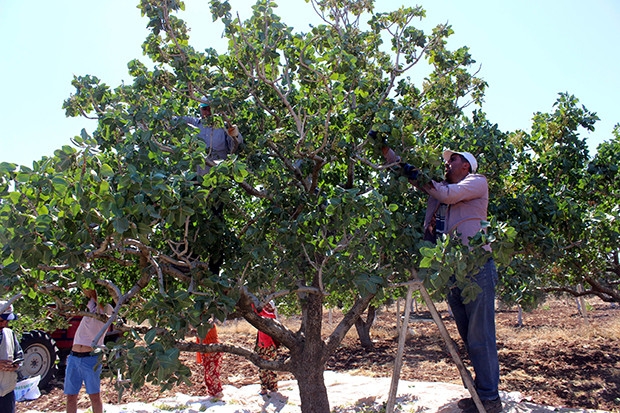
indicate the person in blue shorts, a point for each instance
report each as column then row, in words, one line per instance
column 82, row 363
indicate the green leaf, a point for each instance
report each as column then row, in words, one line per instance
column 426, row 262
column 106, row 171
column 121, row 224
column 60, row 184
column 150, row 336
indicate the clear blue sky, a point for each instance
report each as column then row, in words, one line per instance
column 529, row 51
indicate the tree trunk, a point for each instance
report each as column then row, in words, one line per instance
column 308, row 352
column 363, row 328
column 581, row 303
column 308, row 359
column 312, row 390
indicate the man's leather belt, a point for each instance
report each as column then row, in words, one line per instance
column 81, row 353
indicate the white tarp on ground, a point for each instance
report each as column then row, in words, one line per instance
column 347, row 394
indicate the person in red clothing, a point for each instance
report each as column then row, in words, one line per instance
column 267, row 348
column 212, row 364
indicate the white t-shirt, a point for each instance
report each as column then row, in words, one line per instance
column 89, row 327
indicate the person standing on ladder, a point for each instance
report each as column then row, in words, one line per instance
column 457, row 205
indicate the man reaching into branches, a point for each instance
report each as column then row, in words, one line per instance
column 220, row 142
column 457, row 206
column 82, row 363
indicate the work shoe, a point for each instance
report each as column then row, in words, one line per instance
column 466, row 403
column 491, row 406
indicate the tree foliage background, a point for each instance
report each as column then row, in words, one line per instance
column 305, row 212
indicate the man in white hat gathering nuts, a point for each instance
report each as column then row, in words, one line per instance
column 458, row 205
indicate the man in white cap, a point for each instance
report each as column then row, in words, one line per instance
column 457, row 205
column 11, row 355
column 220, row 142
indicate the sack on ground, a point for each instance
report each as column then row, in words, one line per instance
column 28, row 389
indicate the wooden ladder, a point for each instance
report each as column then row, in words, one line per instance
column 417, row 285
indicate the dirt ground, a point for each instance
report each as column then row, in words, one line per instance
column 556, row 358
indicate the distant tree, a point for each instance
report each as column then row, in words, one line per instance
column 564, row 206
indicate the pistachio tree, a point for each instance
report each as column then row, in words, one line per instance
column 564, row 205
column 302, row 212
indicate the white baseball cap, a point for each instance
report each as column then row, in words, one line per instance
column 470, row 158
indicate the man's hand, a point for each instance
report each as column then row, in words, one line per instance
column 410, row 171
column 6, row 365
column 89, row 293
column 389, row 155
column 233, row 131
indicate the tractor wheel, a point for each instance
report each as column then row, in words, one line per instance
column 40, row 357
